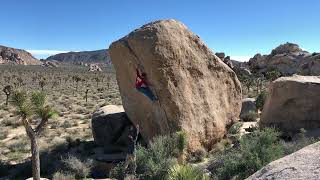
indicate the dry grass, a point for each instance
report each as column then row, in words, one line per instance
column 74, row 113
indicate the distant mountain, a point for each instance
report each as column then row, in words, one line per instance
column 99, row 56
column 10, row 55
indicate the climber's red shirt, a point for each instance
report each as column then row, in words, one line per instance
column 140, row 81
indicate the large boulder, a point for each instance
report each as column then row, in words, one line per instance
column 303, row 164
column 196, row 91
column 293, row 103
column 110, row 128
column 248, row 107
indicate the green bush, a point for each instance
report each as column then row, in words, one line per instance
column 261, row 100
column 235, row 128
column 197, row 156
column 186, row 172
column 250, row 116
column 81, row 169
column 255, row 151
column 118, row 172
column 155, row 162
column 299, row 141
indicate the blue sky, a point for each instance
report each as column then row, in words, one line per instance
column 240, row 28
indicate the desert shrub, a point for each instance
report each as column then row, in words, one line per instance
column 66, row 124
column 118, row 172
column 80, row 168
column 21, row 145
column 155, row 162
column 235, row 128
column 62, row 176
column 197, row 156
column 255, row 151
column 261, row 100
column 299, row 141
column 186, row 172
column 14, row 123
column 250, row 116
column 3, row 134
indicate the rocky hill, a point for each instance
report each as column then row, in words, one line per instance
column 10, row 55
column 99, row 56
column 288, row 59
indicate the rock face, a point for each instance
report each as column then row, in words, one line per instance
column 99, row 56
column 288, row 59
column 248, row 106
column 303, row 164
column 16, row 56
column 110, row 128
column 197, row 92
column 293, row 103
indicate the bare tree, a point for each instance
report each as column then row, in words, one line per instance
column 33, row 107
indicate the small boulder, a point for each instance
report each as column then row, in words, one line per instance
column 303, row 164
column 293, row 103
column 110, row 128
column 248, row 109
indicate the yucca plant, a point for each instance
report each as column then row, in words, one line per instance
column 181, row 138
column 33, row 107
column 186, row 172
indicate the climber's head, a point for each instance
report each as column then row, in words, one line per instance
column 144, row 75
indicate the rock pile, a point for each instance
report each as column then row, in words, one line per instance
column 196, row 91
column 288, row 59
column 94, row 67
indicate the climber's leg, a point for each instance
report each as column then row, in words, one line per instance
column 147, row 92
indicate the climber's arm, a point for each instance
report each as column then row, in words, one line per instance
column 138, row 73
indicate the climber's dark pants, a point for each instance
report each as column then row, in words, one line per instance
column 147, row 92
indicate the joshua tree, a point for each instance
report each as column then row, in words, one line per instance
column 35, row 107
column 87, row 95
column 97, row 79
column 7, row 90
column 42, row 84
column 108, row 82
column 76, row 79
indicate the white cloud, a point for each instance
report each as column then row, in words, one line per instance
column 241, row 58
column 45, row 52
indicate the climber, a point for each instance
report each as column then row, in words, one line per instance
column 131, row 157
column 143, row 86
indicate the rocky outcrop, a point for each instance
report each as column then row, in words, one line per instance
column 196, row 91
column 293, row 103
column 303, row 164
column 226, row 60
column 110, row 128
column 248, row 106
column 16, row 56
column 288, row 59
column 99, row 56
column 94, row 67
column 50, row 64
